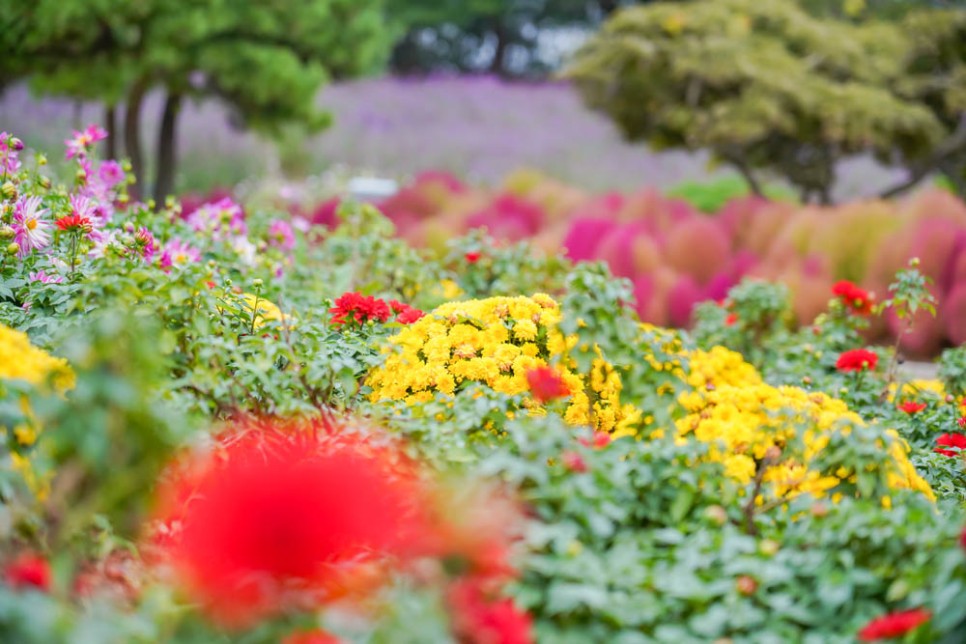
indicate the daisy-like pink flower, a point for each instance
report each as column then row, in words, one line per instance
column 281, row 235
column 80, row 144
column 178, row 253
column 220, row 219
column 44, row 278
column 30, row 228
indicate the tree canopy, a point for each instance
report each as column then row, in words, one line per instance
column 766, row 85
column 265, row 60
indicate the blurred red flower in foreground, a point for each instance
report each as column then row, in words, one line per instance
column 478, row 618
column 893, row 625
column 950, row 440
column 546, row 384
column 857, row 299
column 28, row 571
column 360, row 308
column 280, row 518
column 316, row 636
column 600, row 440
column 857, row 360
column 472, row 257
column 912, row 407
column 731, row 319
column 574, row 462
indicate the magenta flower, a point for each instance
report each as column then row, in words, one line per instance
column 177, row 252
column 280, row 234
column 30, row 228
column 80, row 144
column 144, row 244
column 110, row 174
column 10, row 147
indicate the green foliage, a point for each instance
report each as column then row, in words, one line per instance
column 952, row 370
column 711, row 196
column 761, row 84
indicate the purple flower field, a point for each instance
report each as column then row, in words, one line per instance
column 479, row 128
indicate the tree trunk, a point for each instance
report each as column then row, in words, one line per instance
column 132, row 137
column 110, row 124
column 496, row 65
column 167, row 148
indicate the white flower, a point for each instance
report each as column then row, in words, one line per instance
column 29, row 225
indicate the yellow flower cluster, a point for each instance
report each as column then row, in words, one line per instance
column 19, row 360
column 496, row 342
column 730, row 405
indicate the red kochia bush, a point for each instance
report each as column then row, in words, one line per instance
column 279, row 518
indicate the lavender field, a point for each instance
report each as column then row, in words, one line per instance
column 480, row 128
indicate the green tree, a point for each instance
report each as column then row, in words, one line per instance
column 266, row 60
column 761, row 84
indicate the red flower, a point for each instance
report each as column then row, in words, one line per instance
column 546, row 384
column 893, row 625
column 574, row 462
column 857, row 360
column 599, row 441
column 316, row 636
column 74, row 223
column 912, row 407
column 358, row 307
column 950, row 440
column 858, row 300
column 472, row 257
column 28, row 570
column 962, row 539
column 480, row 619
column 731, row 320
column 962, row 422
column 287, row 516
column 405, row 314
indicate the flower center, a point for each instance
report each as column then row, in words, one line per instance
column 31, row 224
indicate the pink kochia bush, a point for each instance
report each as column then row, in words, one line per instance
column 677, row 256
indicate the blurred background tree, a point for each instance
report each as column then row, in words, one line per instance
column 504, row 37
column 266, row 61
column 764, row 85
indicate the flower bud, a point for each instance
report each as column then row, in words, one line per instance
column 9, row 190
column 819, row 510
column 16, row 143
column 717, row 514
column 13, row 248
column 6, row 232
column 45, row 183
column 41, row 160
column 746, row 585
column 258, row 283
column 768, row 547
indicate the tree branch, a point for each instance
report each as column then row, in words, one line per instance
column 953, row 145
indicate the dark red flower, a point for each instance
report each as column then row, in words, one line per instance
column 28, row 571
column 857, row 360
column 893, row 625
column 316, row 636
column 912, row 407
column 858, row 300
column 546, row 384
column 573, row 462
column 599, row 440
column 479, row 618
column 950, row 440
column 74, row 223
column 731, row 320
column 472, row 257
column 283, row 516
column 360, row 308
